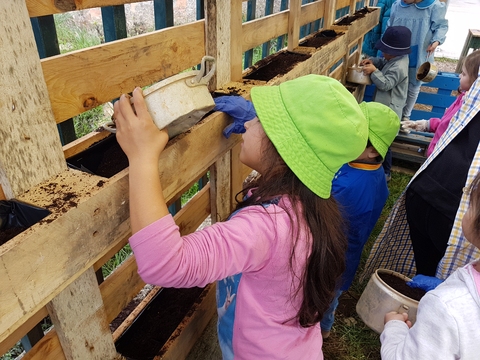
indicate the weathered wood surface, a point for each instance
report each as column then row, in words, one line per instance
column 359, row 27
column 30, row 149
column 80, row 320
column 49, row 7
column 83, row 79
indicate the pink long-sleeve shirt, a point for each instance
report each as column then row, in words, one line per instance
column 252, row 249
column 439, row 126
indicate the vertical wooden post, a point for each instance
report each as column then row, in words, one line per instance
column 81, row 322
column 329, row 14
column 220, row 188
column 294, row 24
column 30, row 148
column 224, row 28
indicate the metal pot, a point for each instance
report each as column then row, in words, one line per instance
column 427, row 72
column 379, row 298
column 355, row 75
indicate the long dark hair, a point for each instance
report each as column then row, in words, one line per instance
column 326, row 262
column 475, row 202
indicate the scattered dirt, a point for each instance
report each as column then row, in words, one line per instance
column 347, row 20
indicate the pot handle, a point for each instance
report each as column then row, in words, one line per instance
column 200, row 79
column 110, row 127
column 403, row 309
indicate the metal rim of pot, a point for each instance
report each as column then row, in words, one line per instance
column 427, row 72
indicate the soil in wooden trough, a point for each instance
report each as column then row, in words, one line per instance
column 319, row 39
column 146, row 336
column 401, row 286
column 104, row 158
column 278, row 64
column 347, row 20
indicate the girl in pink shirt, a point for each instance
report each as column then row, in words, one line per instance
column 439, row 126
column 278, row 259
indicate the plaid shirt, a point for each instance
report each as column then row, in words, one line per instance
column 392, row 248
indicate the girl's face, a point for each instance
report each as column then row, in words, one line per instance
column 251, row 152
column 468, row 226
column 465, row 81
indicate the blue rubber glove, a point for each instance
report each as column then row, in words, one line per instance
column 239, row 109
column 424, row 282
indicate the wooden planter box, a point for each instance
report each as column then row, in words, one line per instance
column 358, row 27
column 182, row 338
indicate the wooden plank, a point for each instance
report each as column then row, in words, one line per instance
column 124, row 283
column 47, row 348
column 330, row 8
column 294, row 24
column 80, row 320
column 235, row 45
column 83, row 79
column 192, row 215
column 260, row 30
column 359, row 27
column 217, row 19
column 220, row 189
column 84, row 143
column 96, row 222
column 10, row 341
column 191, row 327
column 30, row 150
column 438, row 100
column 49, row 7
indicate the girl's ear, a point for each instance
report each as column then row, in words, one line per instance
column 372, row 153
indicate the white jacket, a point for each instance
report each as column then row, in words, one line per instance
column 447, row 325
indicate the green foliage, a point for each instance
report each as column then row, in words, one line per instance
column 116, row 260
column 73, row 36
column 13, row 353
column 88, row 121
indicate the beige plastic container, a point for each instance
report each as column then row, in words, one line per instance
column 180, row 101
column 378, row 298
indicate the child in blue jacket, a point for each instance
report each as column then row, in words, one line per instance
column 361, row 190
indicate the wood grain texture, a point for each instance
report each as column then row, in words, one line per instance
column 49, row 7
column 30, row 149
column 83, row 79
column 80, row 320
column 294, row 24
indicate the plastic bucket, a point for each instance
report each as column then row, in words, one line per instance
column 379, row 298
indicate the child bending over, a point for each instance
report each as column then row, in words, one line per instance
column 278, row 259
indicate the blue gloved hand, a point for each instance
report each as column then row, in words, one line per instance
column 424, row 282
column 239, row 109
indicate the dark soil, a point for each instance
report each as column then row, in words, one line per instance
column 401, row 286
column 7, row 234
column 277, row 64
column 347, row 20
column 104, row 158
column 319, row 39
column 146, row 336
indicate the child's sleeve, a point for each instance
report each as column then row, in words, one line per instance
column 434, row 332
column 243, row 243
column 439, row 25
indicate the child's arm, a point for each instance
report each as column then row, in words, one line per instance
column 388, row 80
column 142, row 142
column 439, row 26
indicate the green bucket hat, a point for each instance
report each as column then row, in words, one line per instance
column 315, row 124
column 383, row 125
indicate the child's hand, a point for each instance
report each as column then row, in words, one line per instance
column 365, row 62
column 393, row 315
column 431, row 48
column 137, row 134
column 368, row 69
